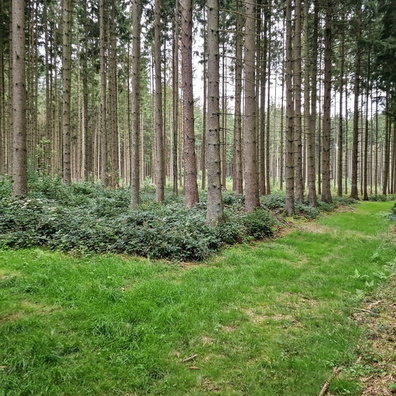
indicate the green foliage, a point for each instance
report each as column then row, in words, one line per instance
column 258, row 224
column 307, row 211
column 87, row 217
column 5, row 187
column 381, row 198
column 393, row 213
column 344, row 200
column 275, row 202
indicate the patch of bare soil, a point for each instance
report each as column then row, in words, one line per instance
column 378, row 316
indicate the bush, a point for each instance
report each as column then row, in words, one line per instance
column 258, row 224
column 275, row 202
column 87, row 217
column 393, row 213
column 307, row 211
column 344, row 201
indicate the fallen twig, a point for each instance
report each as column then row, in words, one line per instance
column 188, row 359
column 327, row 383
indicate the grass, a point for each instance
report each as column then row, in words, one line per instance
column 269, row 319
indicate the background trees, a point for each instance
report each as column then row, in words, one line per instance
column 310, row 99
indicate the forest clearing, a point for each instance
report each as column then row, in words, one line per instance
column 277, row 317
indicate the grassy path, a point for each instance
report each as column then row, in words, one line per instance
column 273, row 319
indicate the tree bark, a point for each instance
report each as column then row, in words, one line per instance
column 250, row 143
column 159, row 130
column 326, row 185
column 215, row 209
column 237, row 160
column 19, row 161
column 289, row 160
column 136, row 99
column 190, row 164
column 66, row 84
column 298, row 157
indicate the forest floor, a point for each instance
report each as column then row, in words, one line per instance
column 309, row 313
column 378, row 316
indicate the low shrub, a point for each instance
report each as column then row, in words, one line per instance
column 258, row 224
column 310, row 212
column 344, row 201
column 275, row 202
column 87, row 217
column 393, row 213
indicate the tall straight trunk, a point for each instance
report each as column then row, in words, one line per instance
column 204, row 117
column 190, row 164
column 175, row 98
column 223, row 123
column 388, row 129
column 262, row 55
column 215, row 211
column 113, row 138
column 376, row 173
column 159, row 128
column 289, row 160
column 267, row 14
column 366, row 131
column 250, row 143
column 3, row 144
column 355, row 138
column 298, row 157
column 135, row 128
column 66, row 84
column 282, row 132
column 392, row 181
column 326, row 182
column 103, row 124
column 237, row 160
column 346, row 157
column 311, row 85
column 19, row 160
column 341, row 120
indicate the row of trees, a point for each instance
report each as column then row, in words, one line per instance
column 295, row 93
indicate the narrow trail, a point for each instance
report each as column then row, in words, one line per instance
column 377, row 364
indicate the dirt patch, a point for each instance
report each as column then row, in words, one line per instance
column 257, row 318
column 378, row 316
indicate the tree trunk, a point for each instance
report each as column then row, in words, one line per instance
column 355, row 139
column 159, row 130
column 136, row 95
column 113, row 138
column 175, row 97
column 190, row 164
column 298, row 160
column 66, row 84
column 289, row 160
column 237, row 160
column 341, row 120
column 215, row 203
column 103, row 124
column 326, row 182
column 250, row 143
column 19, row 161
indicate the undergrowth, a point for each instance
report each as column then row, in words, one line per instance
column 87, row 217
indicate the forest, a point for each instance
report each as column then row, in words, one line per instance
column 197, row 197
column 224, row 95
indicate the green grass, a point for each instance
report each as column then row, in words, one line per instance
column 269, row 319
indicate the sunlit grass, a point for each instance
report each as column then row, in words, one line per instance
column 268, row 319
